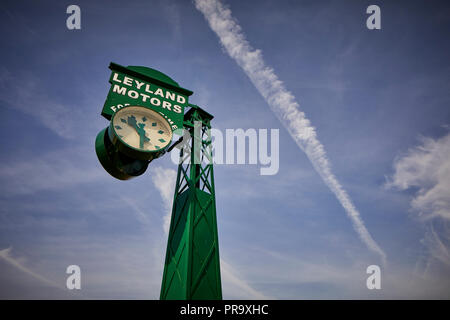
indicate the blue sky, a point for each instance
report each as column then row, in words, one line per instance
column 378, row 99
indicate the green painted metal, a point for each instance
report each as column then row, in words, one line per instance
column 192, row 265
column 142, row 86
column 116, row 163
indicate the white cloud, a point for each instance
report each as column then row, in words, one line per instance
column 112, row 267
column 234, row 286
column 5, row 254
column 426, row 167
column 22, row 92
column 141, row 216
column 52, row 171
column 164, row 180
column 283, row 104
column 437, row 241
column 297, row 277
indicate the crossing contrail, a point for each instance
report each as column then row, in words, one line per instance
column 283, row 104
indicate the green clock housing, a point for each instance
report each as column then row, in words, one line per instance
column 117, row 164
column 136, row 135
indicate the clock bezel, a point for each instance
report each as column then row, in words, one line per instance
column 130, row 150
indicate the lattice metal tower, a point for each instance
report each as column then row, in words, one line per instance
column 192, row 265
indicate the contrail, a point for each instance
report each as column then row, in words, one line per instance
column 6, row 255
column 282, row 103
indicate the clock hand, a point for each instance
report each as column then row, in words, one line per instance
column 132, row 122
column 142, row 135
column 141, row 141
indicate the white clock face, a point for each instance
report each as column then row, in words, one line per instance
column 142, row 128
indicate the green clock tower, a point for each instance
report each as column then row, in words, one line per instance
column 145, row 108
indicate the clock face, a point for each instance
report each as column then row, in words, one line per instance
column 141, row 128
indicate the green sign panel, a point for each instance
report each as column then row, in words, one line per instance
column 146, row 87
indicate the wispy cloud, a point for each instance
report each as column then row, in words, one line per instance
column 437, row 240
column 314, row 277
column 164, row 181
column 50, row 171
column 24, row 94
column 283, row 104
column 235, row 286
column 139, row 213
column 426, row 167
column 5, row 254
column 24, row 91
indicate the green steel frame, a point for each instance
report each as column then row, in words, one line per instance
column 192, row 265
